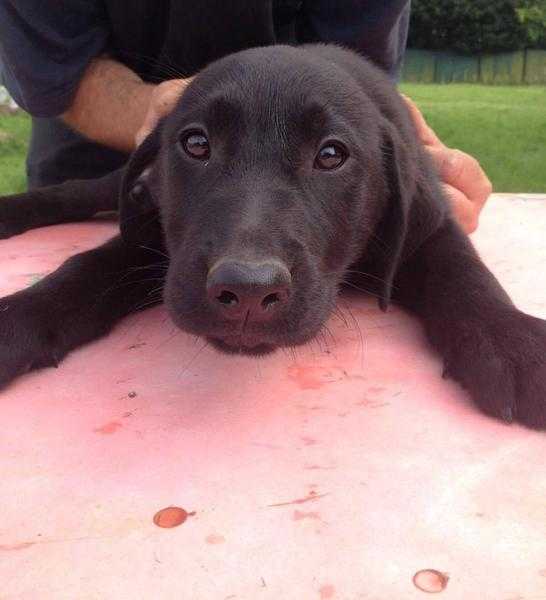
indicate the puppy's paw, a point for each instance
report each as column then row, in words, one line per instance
column 529, row 358
column 27, row 337
column 502, row 364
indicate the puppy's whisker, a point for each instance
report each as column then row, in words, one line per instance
column 147, row 303
column 192, row 360
column 316, row 341
column 158, row 65
column 118, row 285
column 377, row 241
column 329, row 331
column 360, row 336
column 322, row 337
column 157, row 251
column 337, row 312
column 361, row 289
column 160, row 266
column 174, row 333
column 364, row 274
column 258, row 370
column 291, row 353
column 156, row 290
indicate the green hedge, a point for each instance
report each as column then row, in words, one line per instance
column 477, row 26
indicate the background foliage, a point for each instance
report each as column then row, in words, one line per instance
column 478, row 26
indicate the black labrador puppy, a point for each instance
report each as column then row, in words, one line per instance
column 282, row 173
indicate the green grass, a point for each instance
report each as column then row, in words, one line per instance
column 14, row 134
column 504, row 127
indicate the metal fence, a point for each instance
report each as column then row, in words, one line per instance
column 510, row 68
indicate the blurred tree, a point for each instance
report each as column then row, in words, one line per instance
column 476, row 26
column 532, row 15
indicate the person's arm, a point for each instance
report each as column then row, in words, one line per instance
column 44, row 52
column 110, row 104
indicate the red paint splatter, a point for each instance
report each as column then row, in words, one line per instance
column 215, row 539
column 430, row 580
column 312, row 496
column 19, row 546
column 327, row 591
column 299, row 515
column 172, row 516
column 109, row 428
column 313, row 378
column 308, row 378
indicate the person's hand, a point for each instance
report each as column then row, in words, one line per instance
column 163, row 99
column 465, row 182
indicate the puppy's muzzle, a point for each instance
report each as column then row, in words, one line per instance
column 248, row 291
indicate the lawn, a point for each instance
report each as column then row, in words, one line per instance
column 14, row 134
column 504, row 127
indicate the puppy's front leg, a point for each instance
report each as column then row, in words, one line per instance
column 77, row 303
column 75, row 200
column 490, row 347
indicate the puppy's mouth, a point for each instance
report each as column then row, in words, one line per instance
column 241, row 344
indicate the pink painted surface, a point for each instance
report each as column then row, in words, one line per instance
column 338, row 473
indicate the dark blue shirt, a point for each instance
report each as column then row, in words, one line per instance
column 45, row 48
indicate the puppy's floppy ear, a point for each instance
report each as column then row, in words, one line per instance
column 138, row 214
column 415, row 206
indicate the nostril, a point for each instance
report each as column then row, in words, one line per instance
column 228, row 298
column 257, row 290
column 270, row 300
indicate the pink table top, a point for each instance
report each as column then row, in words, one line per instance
column 339, row 472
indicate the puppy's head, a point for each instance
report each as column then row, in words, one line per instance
column 269, row 178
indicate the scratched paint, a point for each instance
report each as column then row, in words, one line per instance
column 310, row 498
column 14, row 547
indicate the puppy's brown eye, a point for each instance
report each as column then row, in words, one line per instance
column 331, row 156
column 196, row 145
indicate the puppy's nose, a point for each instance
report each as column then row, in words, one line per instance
column 257, row 289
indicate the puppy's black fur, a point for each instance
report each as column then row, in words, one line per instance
column 258, row 194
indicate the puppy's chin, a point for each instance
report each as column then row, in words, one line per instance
column 297, row 328
column 238, row 345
